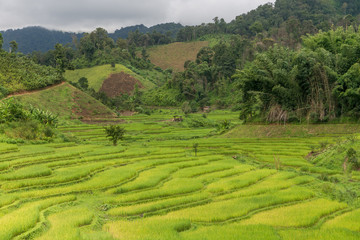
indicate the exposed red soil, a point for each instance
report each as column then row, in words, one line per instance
column 119, row 83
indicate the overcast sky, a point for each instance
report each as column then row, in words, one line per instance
column 86, row 15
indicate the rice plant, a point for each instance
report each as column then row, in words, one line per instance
column 293, row 216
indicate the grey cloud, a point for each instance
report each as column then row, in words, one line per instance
column 86, row 15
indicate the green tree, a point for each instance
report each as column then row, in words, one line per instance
column 12, row 110
column 62, row 62
column 206, row 54
column 101, row 39
column 256, row 27
column 351, row 157
column 271, row 77
column 144, row 54
column 121, row 43
column 1, row 41
column 132, row 50
column 87, row 47
column 84, row 83
column 347, row 91
column 13, row 46
column 115, row 133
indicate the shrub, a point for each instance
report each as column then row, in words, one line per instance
column 323, row 144
column 29, row 130
column 225, row 124
column 115, row 133
column 351, row 156
column 3, row 92
column 83, row 83
column 12, row 110
column 44, row 117
column 143, row 110
column 186, row 108
column 49, row 132
column 196, row 122
column 194, row 106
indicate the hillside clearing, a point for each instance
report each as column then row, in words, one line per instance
column 97, row 75
column 174, row 55
column 68, row 102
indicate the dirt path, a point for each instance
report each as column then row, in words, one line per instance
column 32, row 91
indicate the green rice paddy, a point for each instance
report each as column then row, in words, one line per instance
column 239, row 185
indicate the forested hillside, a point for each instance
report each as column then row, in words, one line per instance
column 18, row 73
column 320, row 81
column 170, row 29
column 288, row 61
column 317, row 82
column 32, row 39
column 283, row 22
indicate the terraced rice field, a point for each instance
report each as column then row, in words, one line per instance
column 152, row 186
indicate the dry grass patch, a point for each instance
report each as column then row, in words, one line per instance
column 174, row 55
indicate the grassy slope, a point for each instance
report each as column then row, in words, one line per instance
column 67, row 101
column 97, row 75
column 175, row 54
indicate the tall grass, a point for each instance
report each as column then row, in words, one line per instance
column 148, row 228
column 174, row 187
column 143, row 208
column 65, row 224
column 221, row 211
column 293, row 216
column 231, row 232
column 319, row 234
column 236, row 182
column 349, row 220
column 26, row 217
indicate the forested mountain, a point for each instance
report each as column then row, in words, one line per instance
column 164, row 28
column 32, row 39
column 283, row 22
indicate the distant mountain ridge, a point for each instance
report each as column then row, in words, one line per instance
column 163, row 28
column 37, row 38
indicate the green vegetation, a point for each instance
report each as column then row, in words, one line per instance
column 174, row 55
column 154, row 182
column 97, row 75
column 18, row 73
column 17, row 122
column 68, row 103
column 291, row 216
column 188, row 170
column 115, row 133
